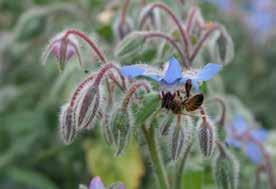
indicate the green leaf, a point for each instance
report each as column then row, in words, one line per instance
column 151, row 103
column 30, row 178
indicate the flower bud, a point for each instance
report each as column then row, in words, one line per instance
column 63, row 47
column 222, row 47
column 129, row 45
column 181, row 137
column 206, row 136
column 87, row 107
column 226, row 169
column 120, row 125
column 67, row 124
column 154, row 23
column 31, row 24
column 106, row 129
column 122, row 29
column 166, row 124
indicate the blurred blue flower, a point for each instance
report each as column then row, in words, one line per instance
column 241, row 135
column 96, row 183
column 261, row 16
column 223, row 5
column 172, row 75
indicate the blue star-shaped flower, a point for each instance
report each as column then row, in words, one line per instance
column 172, row 74
column 241, row 135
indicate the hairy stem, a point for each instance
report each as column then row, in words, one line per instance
column 132, row 90
column 268, row 164
column 202, row 40
column 153, row 34
column 182, row 30
column 180, row 168
column 91, row 43
column 158, row 166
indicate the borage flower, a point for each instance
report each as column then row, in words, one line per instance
column 96, row 183
column 173, row 75
column 242, row 136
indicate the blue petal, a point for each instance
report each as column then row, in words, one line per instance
column 173, row 72
column 254, row 153
column 259, row 134
column 208, row 72
column 96, row 183
column 140, row 70
column 239, row 125
column 133, row 71
column 233, row 142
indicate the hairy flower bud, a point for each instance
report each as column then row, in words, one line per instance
column 222, row 46
column 226, row 169
column 122, row 29
column 67, row 124
column 106, row 129
column 120, row 126
column 87, row 107
column 206, row 136
column 154, row 22
column 129, row 45
column 63, row 47
column 181, row 137
column 166, row 124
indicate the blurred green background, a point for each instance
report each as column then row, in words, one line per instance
column 31, row 153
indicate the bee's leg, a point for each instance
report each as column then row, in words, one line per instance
column 164, row 96
column 188, row 87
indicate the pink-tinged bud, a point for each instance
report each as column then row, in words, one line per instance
column 63, row 47
column 87, row 107
column 96, row 183
column 206, row 136
column 67, row 124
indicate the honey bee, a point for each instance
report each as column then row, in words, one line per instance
column 176, row 103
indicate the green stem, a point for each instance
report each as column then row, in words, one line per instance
column 180, row 168
column 158, row 166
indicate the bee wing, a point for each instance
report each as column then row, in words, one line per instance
column 194, row 102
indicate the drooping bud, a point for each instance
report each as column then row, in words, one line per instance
column 206, row 136
column 154, row 22
column 31, row 24
column 63, row 47
column 222, row 46
column 106, row 129
column 87, row 107
column 67, row 124
column 226, row 169
column 121, row 29
column 120, row 125
column 130, row 45
column 166, row 124
column 181, row 136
